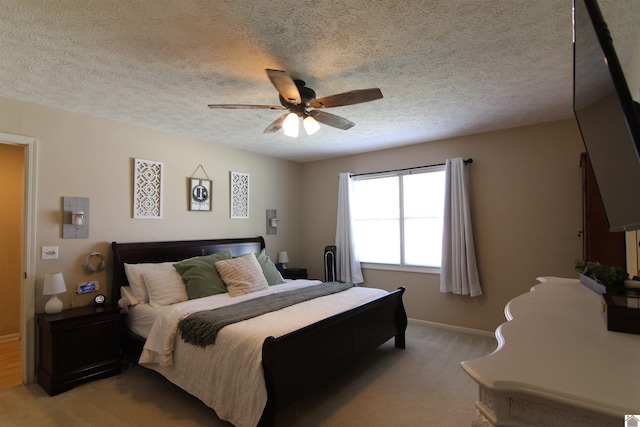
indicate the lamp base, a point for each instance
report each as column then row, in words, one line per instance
column 53, row 306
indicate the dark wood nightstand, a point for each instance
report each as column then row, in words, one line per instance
column 295, row 273
column 78, row 345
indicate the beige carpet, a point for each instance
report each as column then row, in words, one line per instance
column 422, row 385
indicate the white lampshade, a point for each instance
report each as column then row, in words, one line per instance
column 291, row 125
column 311, row 126
column 53, row 285
column 283, row 257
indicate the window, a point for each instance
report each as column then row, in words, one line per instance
column 398, row 217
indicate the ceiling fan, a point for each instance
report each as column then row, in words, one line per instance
column 296, row 97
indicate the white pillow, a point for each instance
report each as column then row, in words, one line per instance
column 242, row 275
column 165, row 287
column 127, row 295
column 134, row 276
column 126, row 299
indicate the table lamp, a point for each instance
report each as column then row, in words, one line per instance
column 283, row 258
column 53, row 285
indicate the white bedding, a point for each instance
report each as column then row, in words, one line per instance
column 228, row 376
column 140, row 318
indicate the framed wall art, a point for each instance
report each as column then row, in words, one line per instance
column 239, row 195
column 199, row 194
column 147, row 189
column 199, row 191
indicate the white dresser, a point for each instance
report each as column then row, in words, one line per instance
column 557, row 364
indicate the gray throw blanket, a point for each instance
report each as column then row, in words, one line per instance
column 201, row 328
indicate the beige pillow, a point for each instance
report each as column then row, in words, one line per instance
column 165, row 287
column 242, row 275
column 134, row 274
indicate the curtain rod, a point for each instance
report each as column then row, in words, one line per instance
column 466, row 162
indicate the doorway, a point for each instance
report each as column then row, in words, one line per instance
column 11, row 250
column 11, row 235
column 17, row 259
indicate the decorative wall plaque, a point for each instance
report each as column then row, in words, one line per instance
column 239, row 195
column 147, row 189
column 75, row 217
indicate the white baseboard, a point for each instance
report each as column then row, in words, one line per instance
column 10, row 337
column 452, row 328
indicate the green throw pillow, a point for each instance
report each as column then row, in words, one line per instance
column 269, row 269
column 201, row 276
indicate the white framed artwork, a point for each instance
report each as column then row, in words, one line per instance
column 147, row 189
column 239, row 195
column 199, row 194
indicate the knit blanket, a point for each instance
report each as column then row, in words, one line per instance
column 201, row 328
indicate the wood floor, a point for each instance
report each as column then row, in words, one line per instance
column 10, row 364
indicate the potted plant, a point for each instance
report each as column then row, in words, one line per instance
column 601, row 278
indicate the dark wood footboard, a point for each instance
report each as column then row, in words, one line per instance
column 301, row 360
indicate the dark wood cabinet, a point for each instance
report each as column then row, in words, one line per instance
column 598, row 244
column 295, row 273
column 78, row 345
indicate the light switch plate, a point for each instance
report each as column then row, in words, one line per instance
column 49, row 252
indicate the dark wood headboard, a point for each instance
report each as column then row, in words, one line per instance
column 143, row 252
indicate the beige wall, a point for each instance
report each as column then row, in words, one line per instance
column 526, row 202
column 85, row 156
column 525, row 189
column 11, row 215
column 632, row 72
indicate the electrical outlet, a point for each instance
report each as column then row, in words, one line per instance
column 49, row 252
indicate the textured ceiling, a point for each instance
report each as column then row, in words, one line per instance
column 446, row 68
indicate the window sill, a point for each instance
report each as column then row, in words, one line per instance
column 407, row 268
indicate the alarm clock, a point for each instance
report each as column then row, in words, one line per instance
column 86, row 287
column 99, row 299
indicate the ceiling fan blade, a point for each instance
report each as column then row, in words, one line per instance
column 331, row 119
column 276, row 125
column 347, row 98
column 285, row 85
column 245, row 106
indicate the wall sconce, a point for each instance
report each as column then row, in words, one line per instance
column 272, row 221
column 75, row 217
column 53, row 285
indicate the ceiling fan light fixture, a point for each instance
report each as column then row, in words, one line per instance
column 296, row 97
column 311, row 126
column 291, row 125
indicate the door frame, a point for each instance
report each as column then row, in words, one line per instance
column 27, row 323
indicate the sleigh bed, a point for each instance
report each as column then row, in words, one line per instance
column 290, row 360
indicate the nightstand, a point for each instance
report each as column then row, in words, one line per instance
column 294, row 273
column 78, row 345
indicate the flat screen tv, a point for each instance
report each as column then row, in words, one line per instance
column 607, row 116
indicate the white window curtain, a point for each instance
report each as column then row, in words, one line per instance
column 347, row 262
column 459, row 270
